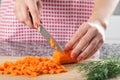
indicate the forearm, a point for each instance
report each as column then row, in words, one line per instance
column 102, row 11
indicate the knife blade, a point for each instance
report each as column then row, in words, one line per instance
column 47, row 36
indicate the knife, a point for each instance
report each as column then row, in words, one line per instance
column 47, row 36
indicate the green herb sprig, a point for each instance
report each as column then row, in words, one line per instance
column 100, row 70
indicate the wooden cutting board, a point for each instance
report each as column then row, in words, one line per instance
column 72, row 74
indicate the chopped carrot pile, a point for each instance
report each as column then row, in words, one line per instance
column 32, row 66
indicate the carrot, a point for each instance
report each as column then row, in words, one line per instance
column 63, row 58
column 52, row 43
column 45, row 71
column 51, row 71
column 32, row 66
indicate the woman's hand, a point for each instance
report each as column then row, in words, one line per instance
column 86, row 41
column 25, row 8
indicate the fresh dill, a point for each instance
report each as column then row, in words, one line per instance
column 100, row 70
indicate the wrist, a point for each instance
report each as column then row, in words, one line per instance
column 101, row 22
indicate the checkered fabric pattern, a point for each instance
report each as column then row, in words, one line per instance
column 60, row 17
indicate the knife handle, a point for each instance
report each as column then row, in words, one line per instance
column 36, row 24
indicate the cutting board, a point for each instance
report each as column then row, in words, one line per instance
column 72, row 74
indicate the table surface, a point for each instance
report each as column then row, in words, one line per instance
column 72, row 74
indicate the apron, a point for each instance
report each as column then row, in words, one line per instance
column 60, row 17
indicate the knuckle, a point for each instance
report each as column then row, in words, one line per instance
column 34, row 11
column 23, row 18
column 77, row 50
column 85, row 52
column 84, row 40
column 94, row 29
column 77, row 36
column 93, row 43
column 96, row 49
column 102, row 37
column 68, row 45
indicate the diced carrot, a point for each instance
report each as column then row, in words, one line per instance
column 51, row 72
column 45, row 71
column 32, row 66
column 1, row 72
column 33, row 74
column 6, row 72
column 14, row 74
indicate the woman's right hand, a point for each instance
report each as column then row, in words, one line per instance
column 25, row 8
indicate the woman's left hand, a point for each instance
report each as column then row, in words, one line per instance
column 86, row 41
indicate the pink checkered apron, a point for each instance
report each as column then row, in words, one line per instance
column 60, row 17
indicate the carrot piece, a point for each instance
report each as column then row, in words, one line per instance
column 51, row 72
column 58, row 71
column 52, row 43
column 14, row 74
column 1, row 68
column 45, row 71
column 1, row 72
column 63, row 58
column 33, row 74
column 24, row 72
column 19, row 73
column 6, row 72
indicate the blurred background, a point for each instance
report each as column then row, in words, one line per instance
column 113, row 31
column 112, row 41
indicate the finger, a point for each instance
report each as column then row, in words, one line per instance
column 72, row 55
column 34, row 11
column 25, row 16
column 22, row 14
column 78, row 34
column 100, row 43
column 94, row 51
column 84, row 41
column 17, row 11
column 39, row 5
column 93, row 44
column 75, row 45
column 28, row 21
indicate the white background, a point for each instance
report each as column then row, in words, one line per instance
column 113, row 30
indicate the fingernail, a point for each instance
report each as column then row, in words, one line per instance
column 36, row 25
column 80, row 58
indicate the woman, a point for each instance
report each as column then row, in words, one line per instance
column 86, row 20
